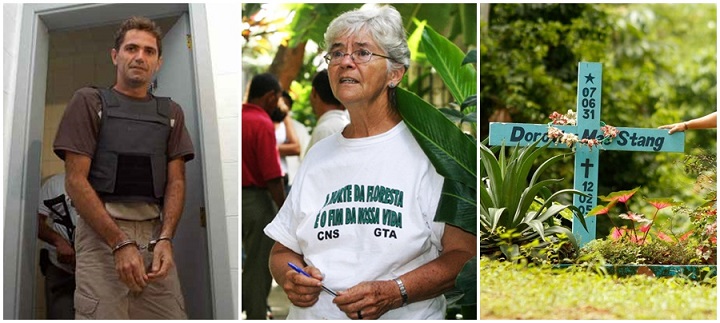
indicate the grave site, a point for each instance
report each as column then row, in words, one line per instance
column 531, row 250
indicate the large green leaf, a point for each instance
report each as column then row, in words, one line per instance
column 447, row 59
column 492, row 168
column 453, row 154
column 413, row 42
column 458, row 206
column 516, row 177
column 468, row 17
column 485, row 200
column 490, row 222
column 528, row 197
column 440, row 15
column 538, row 227
column 466, row 281
column 579, row 215
column 551, row 212
column 558, row 230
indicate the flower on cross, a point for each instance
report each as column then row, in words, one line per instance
column 570, row 118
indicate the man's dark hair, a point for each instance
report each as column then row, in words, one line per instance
column 262, row 84
column 321, row 84
column 289, row 99
column 142, row 24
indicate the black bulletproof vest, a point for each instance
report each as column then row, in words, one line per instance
column 130, row 162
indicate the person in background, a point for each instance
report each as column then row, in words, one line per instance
column 125, row 152
column 705, row 122
column 285, row 134
column 360, row 217
column 331, row 114
column 56, row 228
column 263, row 191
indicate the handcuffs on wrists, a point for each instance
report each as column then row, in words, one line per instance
column 150, row 246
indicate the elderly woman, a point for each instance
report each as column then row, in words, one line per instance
column 359, row 219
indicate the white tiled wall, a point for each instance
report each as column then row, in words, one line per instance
column 11, row 39
column 224, row 29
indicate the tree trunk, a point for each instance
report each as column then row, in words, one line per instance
column 287, row 63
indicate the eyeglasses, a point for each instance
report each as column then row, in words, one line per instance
column 359, row 56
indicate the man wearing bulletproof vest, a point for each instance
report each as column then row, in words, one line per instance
column 125, row 152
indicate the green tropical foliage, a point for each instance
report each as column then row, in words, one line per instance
column 452, row 152
column 456, row 21
column 659, row 67
column 507, row 221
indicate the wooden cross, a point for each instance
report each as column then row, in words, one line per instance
column 586, row 158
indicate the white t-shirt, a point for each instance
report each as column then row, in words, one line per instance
column 281, row 137
column 62, row 219
column 362, row 210
column 330, row 122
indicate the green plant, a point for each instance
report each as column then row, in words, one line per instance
column 631, row 234
column 510, row 291
column 636, row 240
column 704, row 220
column 704, row 217
column 506, row 219
column 452, row 152
column 654, row 252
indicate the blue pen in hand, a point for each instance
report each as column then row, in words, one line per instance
column 299, row 270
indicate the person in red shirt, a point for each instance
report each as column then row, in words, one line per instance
column 263, row 192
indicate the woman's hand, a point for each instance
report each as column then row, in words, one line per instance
column 369, row 300
column 301, row 290
column 675, row 127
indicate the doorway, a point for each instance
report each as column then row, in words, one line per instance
column 71, row 51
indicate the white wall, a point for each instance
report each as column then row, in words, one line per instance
column 11, row 42
column 224, row 26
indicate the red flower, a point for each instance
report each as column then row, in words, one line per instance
column 665, row 237
column 620, row 196
column 636, row 239
column 662, row 203
column 599, row 210
column 685, row 236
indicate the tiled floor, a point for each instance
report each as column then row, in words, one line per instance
column 278, row 302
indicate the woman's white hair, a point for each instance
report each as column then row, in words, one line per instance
column 382, row 23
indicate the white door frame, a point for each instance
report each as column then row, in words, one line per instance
column 23, row 182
